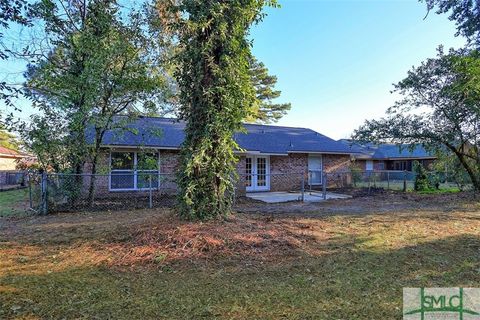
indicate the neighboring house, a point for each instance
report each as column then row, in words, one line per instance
column 8, row 162
column 9, row 158
column 274, row 158
column 385, row 156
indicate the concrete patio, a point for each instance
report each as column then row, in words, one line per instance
column 281, row 196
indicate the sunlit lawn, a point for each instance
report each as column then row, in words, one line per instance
column 247, row 267
column 13, row 202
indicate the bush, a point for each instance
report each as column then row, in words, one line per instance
column 423, row 181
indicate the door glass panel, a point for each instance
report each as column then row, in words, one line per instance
column 248, row 171
column 261, row 172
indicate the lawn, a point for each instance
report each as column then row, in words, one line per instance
column 13, row 202
column 348, row 259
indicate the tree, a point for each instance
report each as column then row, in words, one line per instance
column 99, row 66
column 439, row 109
column 216, row 93
column 265, row 110
column 8, row 140
column 465, row 13
column 99, row 71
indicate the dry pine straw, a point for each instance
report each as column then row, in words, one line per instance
column 344, row 255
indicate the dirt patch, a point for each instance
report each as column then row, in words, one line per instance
column 381, row 201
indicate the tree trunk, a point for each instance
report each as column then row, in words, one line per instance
column 93, row 178
column 473, row 177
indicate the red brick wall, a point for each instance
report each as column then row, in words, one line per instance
column 240, row 186
column 336, row 163
column 287, row 171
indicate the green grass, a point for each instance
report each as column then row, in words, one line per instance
column 327, row 267
column 13, row 202
column 440, row 191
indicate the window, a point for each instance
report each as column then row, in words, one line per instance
column 147, row 164
column 315, row 170
column 123, row 175
column 132, row 170
column 400, row 165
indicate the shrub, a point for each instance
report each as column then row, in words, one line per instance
column 423, row 181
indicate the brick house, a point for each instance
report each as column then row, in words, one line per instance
column 273, row 158
column 392, row 157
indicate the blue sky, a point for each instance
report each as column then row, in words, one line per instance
column 336, row 60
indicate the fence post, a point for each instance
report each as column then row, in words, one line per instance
column 388, row 180
column 405, row 181
column 30, row 191
column 369, row 181
column 44, row 189
column 150, row 200
column 324, row 186
column 303, row 187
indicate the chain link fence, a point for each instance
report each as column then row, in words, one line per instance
column 388, row 180
column 12, row 179
column 55, row 192
column 118, row 190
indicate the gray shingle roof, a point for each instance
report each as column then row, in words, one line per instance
column 386, row 151
column 169, row 133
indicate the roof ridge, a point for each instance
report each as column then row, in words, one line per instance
column 244, row 123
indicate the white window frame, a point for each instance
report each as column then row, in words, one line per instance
column 134, row 171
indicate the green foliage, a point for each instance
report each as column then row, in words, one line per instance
column 265, row 110
column 465, row 14
column 452, row 170
column 422, row 181
column 216, row 93
column 439, row 109
column 356, row 173
column 8, row 140
column 100, row 63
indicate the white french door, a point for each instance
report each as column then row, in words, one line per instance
column 257, row 169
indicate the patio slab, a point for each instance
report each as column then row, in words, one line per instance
column 280, row 196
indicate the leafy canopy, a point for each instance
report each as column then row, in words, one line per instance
column 465, row 13
column 98, row 64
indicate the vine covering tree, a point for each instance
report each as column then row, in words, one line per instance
column 216, row 94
